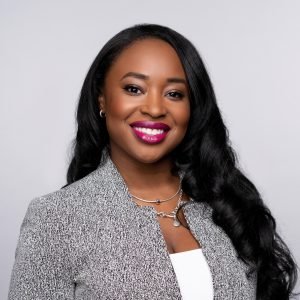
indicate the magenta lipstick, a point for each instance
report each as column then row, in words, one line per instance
column 150, row 132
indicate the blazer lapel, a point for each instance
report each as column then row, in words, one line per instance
column 228, row 272
column 134, row 245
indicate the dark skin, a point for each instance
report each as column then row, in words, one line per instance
column 147, row 83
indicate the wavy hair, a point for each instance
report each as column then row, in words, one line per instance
column 209, row 162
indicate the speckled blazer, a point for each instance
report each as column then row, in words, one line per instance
column 90, row 241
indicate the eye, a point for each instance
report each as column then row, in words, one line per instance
column 132, row 89
column 176, row 95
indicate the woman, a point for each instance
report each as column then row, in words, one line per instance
column 155, row 206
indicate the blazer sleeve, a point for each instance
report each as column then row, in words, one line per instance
column 41, row 269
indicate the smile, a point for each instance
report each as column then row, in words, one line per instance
column 150, row 132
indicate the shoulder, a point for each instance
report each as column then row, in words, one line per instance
column 68, row 217
column 85, row 200
column 65, row 220
column 81, row 195
column 57, row 232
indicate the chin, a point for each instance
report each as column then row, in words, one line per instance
column 150, row 158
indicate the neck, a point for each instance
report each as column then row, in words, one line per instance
column 148, row 180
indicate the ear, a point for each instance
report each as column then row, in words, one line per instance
column 101, row 102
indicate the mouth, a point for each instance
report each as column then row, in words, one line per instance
column 150, row 132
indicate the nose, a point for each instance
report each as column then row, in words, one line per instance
column 154, row 106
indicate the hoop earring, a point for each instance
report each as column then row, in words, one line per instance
column 102, row 114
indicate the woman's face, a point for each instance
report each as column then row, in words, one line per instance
column 145, row 98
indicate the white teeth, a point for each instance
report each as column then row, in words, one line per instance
column 149, row 130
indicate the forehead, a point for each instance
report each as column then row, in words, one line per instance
column 152, row 57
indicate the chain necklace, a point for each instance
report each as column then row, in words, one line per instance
column 173, row 213
column 158, row 201
column 163, row 214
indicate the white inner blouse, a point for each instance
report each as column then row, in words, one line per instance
column 193, row 275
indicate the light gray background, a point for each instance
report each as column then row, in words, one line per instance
column 251, row 49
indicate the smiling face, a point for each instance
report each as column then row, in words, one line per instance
column 145, row 98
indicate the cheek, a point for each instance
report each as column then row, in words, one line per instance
column 183, row 116
column 118, row 106
column 118, row 110
column 114, row 107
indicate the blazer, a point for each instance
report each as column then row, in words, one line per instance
column 89, row 240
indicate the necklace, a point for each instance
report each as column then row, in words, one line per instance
column 158, row 201
column 173, row 213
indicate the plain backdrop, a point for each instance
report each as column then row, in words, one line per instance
column 251, row 50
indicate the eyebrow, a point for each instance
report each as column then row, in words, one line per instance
column 146, row 77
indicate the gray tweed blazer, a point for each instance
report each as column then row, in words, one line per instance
column 90, row 241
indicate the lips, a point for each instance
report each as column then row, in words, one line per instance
column 150, row 132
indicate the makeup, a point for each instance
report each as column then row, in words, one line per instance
column 150, row 132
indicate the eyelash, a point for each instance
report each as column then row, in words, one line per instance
column 127, row 87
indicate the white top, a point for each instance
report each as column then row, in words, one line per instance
column 193, row 275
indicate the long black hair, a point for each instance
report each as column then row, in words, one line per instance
column 209, row 162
